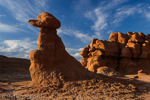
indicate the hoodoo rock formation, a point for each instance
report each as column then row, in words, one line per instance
column 128, row 53
column 50, row 62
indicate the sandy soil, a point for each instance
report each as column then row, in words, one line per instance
column 130, row 87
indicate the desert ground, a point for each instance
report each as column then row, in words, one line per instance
column 14, row 86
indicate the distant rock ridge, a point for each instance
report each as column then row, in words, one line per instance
column 128, row 53
column 14, row 69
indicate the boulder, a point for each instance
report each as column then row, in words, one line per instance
column 125, row 52
column 108, row 71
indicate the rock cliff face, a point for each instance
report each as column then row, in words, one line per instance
column 50, row 62
column 128, row 53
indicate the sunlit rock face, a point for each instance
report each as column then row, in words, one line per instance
column 50, row 62
column 127, row 53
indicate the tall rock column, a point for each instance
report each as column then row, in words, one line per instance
column 50, row 62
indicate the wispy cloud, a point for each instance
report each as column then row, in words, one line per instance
column 82, row 36
column 2, row 15
column 75, row 52
column 147, row 14
column 101, row 15
column 126, row 11
column 146, row 11
column 17, row 48
column 21, row 48
column 23, row 10
column 8, row 28
column 110, row 14
column 77, row 56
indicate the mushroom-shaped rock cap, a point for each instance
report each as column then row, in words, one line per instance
column 46, row 20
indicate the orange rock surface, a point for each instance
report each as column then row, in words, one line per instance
column 128, row 53
column 50, row 62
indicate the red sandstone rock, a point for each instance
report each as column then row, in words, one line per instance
column 142, row 35
column 126, row 53
column 84, row 62
column 128, row 66
column 46, row 20
column 108, row 71
column 135, row 49
column 129, row 34
column 122, row 39
column 50, row 63
column 113, row 37
column 144, row 54
column 93, row 42
column 85, row 51
column 107, row 46
column 94, row 67
column 97, row 53
column 146, row 48
column 137, row 38
column 144, row 64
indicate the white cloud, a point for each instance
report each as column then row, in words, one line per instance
column 23, row 10
column 72, row 49
column 18, row 48
column 84, row 37
column 21, row 48
column 59, row 31
column 75, row 52
column 8, row 28
column 124, row 12
column 147, row 14
column 109, row 15
column 77, row 56
column 2, row 15
column 100, row 15
column 99, row 18
column 101, row 21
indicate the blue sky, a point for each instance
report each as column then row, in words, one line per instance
column 81, row 21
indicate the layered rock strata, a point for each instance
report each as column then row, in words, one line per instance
column 14, row 69
column 126, row 53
